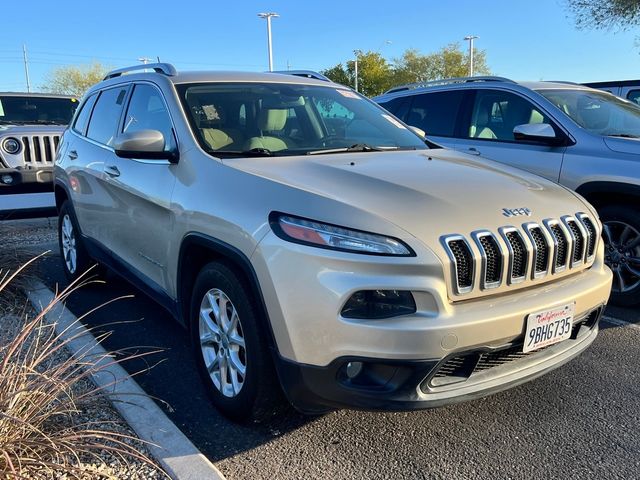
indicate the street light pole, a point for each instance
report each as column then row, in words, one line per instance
column 471, row 38
column 355, row 68
column 26, row 67
column 269, row 16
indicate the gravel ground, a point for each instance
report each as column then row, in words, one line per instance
column 14, row 309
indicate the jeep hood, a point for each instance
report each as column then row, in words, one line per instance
column 31, row 129
column 426, row 193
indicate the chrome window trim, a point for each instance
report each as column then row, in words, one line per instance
column 455, row 285
column 581, row 216
column 527, row 227
column 548, row 223
column 484, row 285
column 566, row 219
column 511, row 280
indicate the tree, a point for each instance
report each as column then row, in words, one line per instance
column 375, row 74
column 448, row 62
column 605, row 14
column 75, row 79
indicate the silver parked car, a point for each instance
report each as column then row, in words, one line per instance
column 313, row 244
column 585, row 139
column 30, row 128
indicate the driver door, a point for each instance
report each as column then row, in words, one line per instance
column 487, row 131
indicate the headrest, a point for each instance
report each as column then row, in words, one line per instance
column 270, row 119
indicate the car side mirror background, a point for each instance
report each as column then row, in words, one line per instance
column 537, row 132
column 418, row 131
column 143, row 144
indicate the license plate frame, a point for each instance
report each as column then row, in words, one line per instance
column 548, row 327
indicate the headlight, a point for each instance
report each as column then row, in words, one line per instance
column 323, row 235
column 11, row 146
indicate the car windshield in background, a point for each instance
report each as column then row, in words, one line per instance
column 36, row 110
column 265, row 119
column 597, row 112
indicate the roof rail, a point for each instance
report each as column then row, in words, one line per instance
column 566, row 82
column 304, row 73
column 164, row 68
column 448, row 81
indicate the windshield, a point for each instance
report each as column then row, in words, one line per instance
column 597, row 112
column 36, row 110
column 289, row 119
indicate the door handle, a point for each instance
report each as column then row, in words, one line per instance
column 473, row 151
column 112, row 171
column 72, row 155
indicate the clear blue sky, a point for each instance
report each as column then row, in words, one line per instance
column 523, row 40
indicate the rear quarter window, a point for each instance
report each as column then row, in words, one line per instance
column 82, row 119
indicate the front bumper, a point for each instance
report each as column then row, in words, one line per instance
column 14, row 180
column 421, row 384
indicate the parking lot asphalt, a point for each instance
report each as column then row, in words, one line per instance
column 581, row 421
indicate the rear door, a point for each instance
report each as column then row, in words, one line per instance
column 436, row 113
column 141, row 221
column 487, row 130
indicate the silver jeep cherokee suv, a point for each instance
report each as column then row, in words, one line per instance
column 313, row 244
column 31, row 125
column 585, row 139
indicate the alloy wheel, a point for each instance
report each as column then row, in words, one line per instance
column 622, row 254
column 69, row 250
column 222, row 342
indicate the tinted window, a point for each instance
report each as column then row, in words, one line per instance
column 634, row 96
column 435, row 113
column 398, row 106
column 106, row 114
column 147, row 111
column 82, row 120
column 495, row 114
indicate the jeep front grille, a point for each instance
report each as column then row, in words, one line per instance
column 40, row 149
column 525, row 253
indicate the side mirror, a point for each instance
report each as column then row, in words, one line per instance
column 536, row 132
column 418, row 131
column 145, row 144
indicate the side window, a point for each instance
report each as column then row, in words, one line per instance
column 435, row 113
column 399, row 106
column 495, row 114
column 106, row 114
column 147, row 111
column 336, row 117
column 634, row 96
column 82, row 118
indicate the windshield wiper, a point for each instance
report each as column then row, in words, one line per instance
column 623, row 135
column 254, row 152
column 356, row 147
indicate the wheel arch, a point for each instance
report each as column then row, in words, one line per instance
column 196, row 250
column 606, row 193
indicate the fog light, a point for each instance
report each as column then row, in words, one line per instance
column 354, row 369
column 377, row 304
column 6, row 179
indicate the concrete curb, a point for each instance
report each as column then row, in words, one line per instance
column 176, row 454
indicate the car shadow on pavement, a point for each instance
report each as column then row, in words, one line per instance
column 138, row 324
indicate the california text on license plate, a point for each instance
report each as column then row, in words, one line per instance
column 548, row 327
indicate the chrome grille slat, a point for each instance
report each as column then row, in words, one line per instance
column 532, row 251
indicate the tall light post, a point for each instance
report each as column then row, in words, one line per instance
column 269, row 16
column 357, row 53
column 471, row 38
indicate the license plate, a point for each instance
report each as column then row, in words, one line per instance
column 548, row 327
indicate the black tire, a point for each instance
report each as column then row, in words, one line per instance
column 621, row 255
column 259, row 397
column 69, row 240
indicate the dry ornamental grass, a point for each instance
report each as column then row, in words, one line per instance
column 45, row 394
